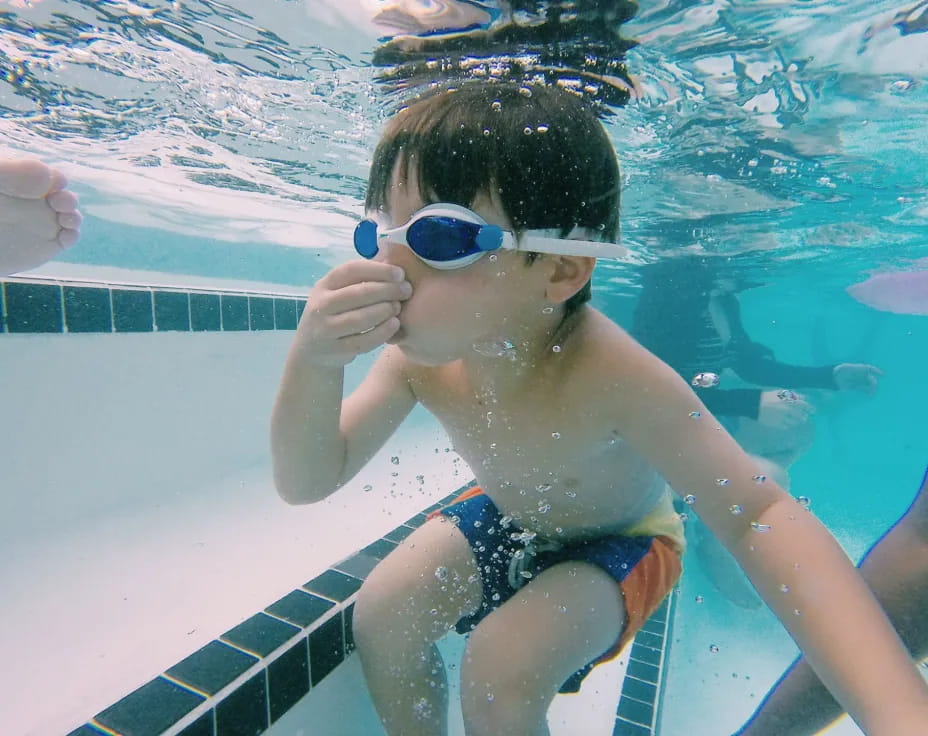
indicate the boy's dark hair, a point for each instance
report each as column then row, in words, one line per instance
column 541, row 148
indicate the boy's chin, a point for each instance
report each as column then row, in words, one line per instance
column 416, row 354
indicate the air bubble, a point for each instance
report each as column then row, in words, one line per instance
column 796, row 612
column 758, row 527
column 542, row 128
column 368, row 488
column 735, row 509
column 526, row 574
column 786, row 395
column 689, row 498
column 784, row 588
column 496, row 106
column 759, row 478
column 495, row 596
column 570, row 494
column 490, row 697
column 713, row 648
column 528, row 130
column 547, row 310
column 699, row 599
column 441, row 573
column 556, row 435
column 395, row 460
column 494, row 257
column 486, row 131
column 705, row 380
column 544, row 508
column 804, row 501
column 556, row 348
column 722, row 481
column 695, row 415
column 525, row 91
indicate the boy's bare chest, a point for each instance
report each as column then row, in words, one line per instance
column 552, row 459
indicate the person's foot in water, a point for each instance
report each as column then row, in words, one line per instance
column 38, row 215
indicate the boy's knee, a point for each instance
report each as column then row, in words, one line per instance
column 502, row 705
column 499, row 694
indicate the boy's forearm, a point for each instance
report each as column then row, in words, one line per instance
column 813, row 587
column 307, row 447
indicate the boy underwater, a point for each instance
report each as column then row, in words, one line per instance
column 487, row 206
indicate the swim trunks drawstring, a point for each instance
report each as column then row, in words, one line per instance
column 518, row 564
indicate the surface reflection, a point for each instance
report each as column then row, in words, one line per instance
column 574, row 44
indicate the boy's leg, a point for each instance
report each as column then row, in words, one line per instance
column 896, row 569
column 408, row 602
column 519, row 656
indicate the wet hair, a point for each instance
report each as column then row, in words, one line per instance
column 540, row 148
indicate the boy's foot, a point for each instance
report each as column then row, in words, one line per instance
column 38, row 216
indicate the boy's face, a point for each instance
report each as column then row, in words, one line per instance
column 451, row 311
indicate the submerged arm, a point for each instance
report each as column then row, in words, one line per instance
column 793, row 561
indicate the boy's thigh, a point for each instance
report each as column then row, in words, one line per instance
column 565, row 617
column 429, row 581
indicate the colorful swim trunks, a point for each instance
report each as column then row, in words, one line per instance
column 646, row 568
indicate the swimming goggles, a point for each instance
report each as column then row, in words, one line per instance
column 447, row 236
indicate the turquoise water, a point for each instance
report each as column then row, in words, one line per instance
column 231, row 140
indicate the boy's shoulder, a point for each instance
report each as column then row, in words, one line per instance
column 610, row 359
column 604, row 345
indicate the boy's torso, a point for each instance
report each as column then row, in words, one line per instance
column 552, row 458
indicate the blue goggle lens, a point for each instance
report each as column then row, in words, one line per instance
column 443, row 238
column 435, row 238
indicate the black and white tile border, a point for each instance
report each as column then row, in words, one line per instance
column 639, row 709
column 31, row 305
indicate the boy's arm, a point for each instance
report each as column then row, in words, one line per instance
column 793, row 561
column 319, row 442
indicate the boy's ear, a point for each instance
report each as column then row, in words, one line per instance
column 568, row 274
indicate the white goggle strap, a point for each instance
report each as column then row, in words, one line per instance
column 564, row 246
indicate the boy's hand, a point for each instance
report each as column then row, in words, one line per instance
column 351, row 310
column 783, row 409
